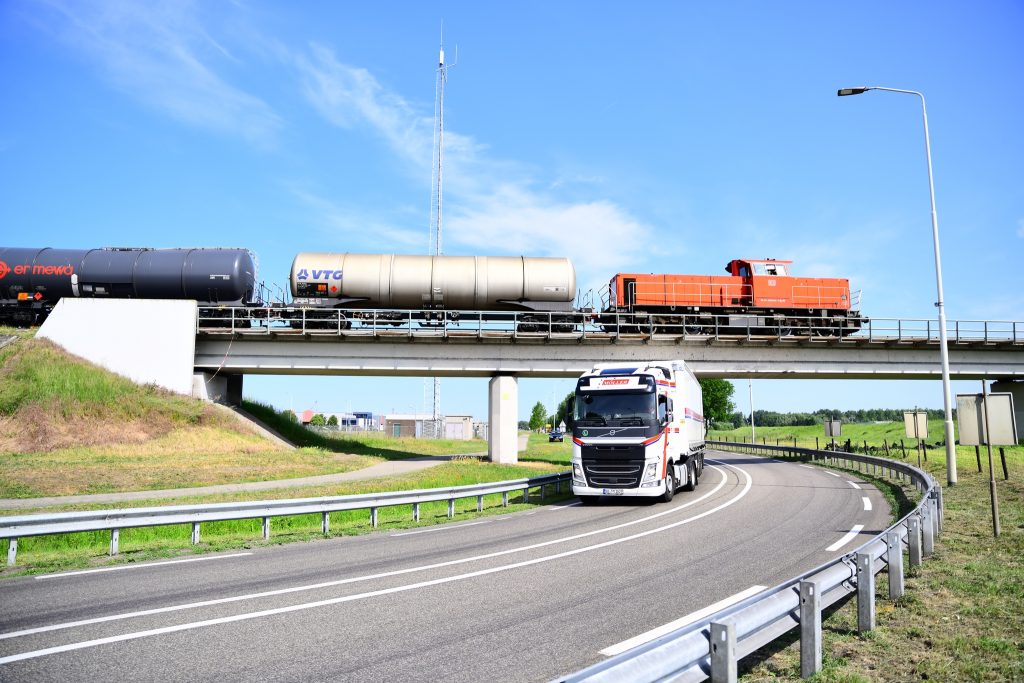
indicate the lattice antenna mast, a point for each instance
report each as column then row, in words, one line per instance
column 436, row 227
column 436, row 244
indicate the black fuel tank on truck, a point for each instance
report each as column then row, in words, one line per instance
column 221, row 276
column 479, row 283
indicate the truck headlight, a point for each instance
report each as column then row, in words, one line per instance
column 577, row 472
column 651, row 472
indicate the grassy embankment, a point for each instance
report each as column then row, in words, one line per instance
column 962, row 617
column 69, row 428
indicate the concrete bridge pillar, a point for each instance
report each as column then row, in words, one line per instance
column 503, row 419
column 210, row 386
column 1016, row 389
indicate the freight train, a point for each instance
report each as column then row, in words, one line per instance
column 32, row 281
column 758, row 295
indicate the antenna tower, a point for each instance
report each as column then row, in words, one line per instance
column 436, row 198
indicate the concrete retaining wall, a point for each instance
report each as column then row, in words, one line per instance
column 149, row 342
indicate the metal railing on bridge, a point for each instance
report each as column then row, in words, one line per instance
column 597, row 327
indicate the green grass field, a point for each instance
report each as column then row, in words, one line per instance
column 67, row 551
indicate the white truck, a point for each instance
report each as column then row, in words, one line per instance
column 638, row 430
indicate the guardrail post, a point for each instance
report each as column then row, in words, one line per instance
column 894, row 558
column 940, row 507
column 810, row 629
column 928, row 530
column 526, row 495
column 415, row 512
column 451, row 508
column 504, row 499
column 558, row 486
column 325, row 523
column 115, row 540
column 914, row 540
column 266, row 528
column 373, row 518
column 12, row 552
column 865, row 592
column 479, row 503
column 723, row 653
column 542, row 488
column 195, row 533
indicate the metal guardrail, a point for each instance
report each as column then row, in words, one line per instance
column 22, row 526
column 283, row 322
column 711, row 646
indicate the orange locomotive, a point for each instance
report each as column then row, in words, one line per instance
column 758, row 295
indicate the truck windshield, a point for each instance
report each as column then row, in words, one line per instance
column 619, row 409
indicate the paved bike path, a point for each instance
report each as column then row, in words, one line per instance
column 391, row 468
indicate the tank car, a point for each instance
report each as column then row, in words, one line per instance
column 759, row 295
column 32, row 281
column 440, row 287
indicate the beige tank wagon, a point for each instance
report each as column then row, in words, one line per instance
column 468, row 283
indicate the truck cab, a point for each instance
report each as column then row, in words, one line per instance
column 637, row 431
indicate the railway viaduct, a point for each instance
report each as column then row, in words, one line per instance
column 166, row 345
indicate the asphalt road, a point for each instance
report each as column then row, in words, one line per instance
column 526, row 597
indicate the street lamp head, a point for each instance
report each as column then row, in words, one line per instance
column 852, row 91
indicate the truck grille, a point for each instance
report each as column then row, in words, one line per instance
column 617, row 467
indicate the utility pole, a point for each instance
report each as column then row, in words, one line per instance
column 750, row 388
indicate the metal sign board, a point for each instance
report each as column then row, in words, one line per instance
column 916, row 424
column 833, row 428
column 971, row 420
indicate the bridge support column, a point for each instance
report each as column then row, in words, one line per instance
column 1016, row 389
column 503, row 419
column 226, row 389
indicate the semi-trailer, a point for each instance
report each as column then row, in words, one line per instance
column 638, row 430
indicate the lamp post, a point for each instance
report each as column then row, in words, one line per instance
column 943, row 346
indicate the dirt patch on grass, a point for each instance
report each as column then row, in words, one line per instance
column 42, row 428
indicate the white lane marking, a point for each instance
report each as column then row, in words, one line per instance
column 807, row 467
column 386, row 591
column 61, row 575
column 850, row 535
column 832, row 473
column 443, row 527
column 562, row 507
column 853, row 484
column 647, row 637
column 867, row 503
column 356, row 579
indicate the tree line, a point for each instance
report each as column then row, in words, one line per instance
column 721, row 413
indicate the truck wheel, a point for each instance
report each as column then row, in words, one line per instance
column 691, row 476
column 670, row 484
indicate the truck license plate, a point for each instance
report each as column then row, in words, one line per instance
column 611, row 492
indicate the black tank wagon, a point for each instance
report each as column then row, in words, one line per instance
column 32, row 281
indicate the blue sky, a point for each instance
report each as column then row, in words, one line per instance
column 658, row 137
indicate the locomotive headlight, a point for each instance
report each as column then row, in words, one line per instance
column 651, row 472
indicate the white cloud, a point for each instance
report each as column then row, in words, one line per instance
column 491, row 205
column 160, row 53
column 353, row 227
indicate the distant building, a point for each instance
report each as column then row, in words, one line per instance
column 458, row 427
column 350, row 422
column 415, row 425
column 408, row 425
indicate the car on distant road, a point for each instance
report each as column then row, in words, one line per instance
column 555, row 435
